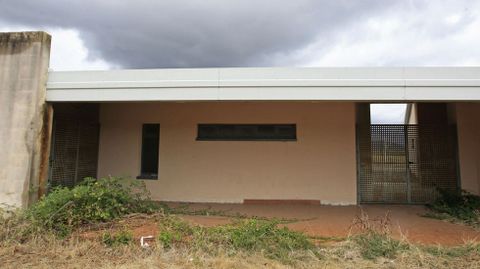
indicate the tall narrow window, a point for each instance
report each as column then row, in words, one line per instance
column 150, row 143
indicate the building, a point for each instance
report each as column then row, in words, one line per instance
column 237, row 135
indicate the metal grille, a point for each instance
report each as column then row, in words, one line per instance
column 405, row 163
column 74, row 152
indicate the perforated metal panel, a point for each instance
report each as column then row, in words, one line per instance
column 74, row 152
column 405, row 163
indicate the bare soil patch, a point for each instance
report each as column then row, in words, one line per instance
column 406, row 222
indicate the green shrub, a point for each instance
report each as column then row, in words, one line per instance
column 247, row 235
column 167, row 238
column 374, row 245
column 92, row 201
column 122, row 237
column 267, row 236
column 173, row 231
column 462, row 206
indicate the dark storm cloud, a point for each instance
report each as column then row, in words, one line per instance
column 201, row 33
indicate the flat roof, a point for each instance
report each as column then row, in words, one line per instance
column 373, row 84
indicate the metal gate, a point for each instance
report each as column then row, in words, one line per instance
column 406, row 164
column 74, row 150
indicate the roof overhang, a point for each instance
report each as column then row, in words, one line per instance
column 382, row 84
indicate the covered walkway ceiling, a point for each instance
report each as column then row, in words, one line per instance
column 379, row 84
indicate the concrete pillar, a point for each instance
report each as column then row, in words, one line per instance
column 363, row 113
column 363, row 142
column 411, row 114
column 432, row 113
column 24, row 59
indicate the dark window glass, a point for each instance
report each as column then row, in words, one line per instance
column 150, row 143
column 247, row 132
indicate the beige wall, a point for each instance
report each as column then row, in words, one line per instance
column 468, row 124
column 320, row 165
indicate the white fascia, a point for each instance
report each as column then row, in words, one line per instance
column 397, row 84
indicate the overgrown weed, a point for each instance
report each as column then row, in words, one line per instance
column 30, row 238
column 462, row 207
column 374, row 237
column 249, row 235
column 116, row 238
column 64, row 209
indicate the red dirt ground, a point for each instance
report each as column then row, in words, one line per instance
column 406, row 222
column 335, row 221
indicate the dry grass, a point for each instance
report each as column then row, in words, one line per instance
column 93, row 254
column 370, row 247
column 75, row 253
column 364, row 224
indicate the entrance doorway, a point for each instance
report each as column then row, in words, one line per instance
column 406, row 163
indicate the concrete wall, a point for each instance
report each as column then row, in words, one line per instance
column 24, row 59
column 319, row 166
column 411, row 115
column 468, row 124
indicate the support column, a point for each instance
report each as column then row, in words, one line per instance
column 364, row 148
column 24, row 119
column 363, row 113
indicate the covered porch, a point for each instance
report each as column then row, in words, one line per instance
column 240, row 135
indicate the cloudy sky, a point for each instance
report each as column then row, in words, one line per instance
column 108, row 34
column 105, row 34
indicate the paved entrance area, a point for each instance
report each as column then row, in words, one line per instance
column 336, row 221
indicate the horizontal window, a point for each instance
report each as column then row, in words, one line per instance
column 247, row 132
